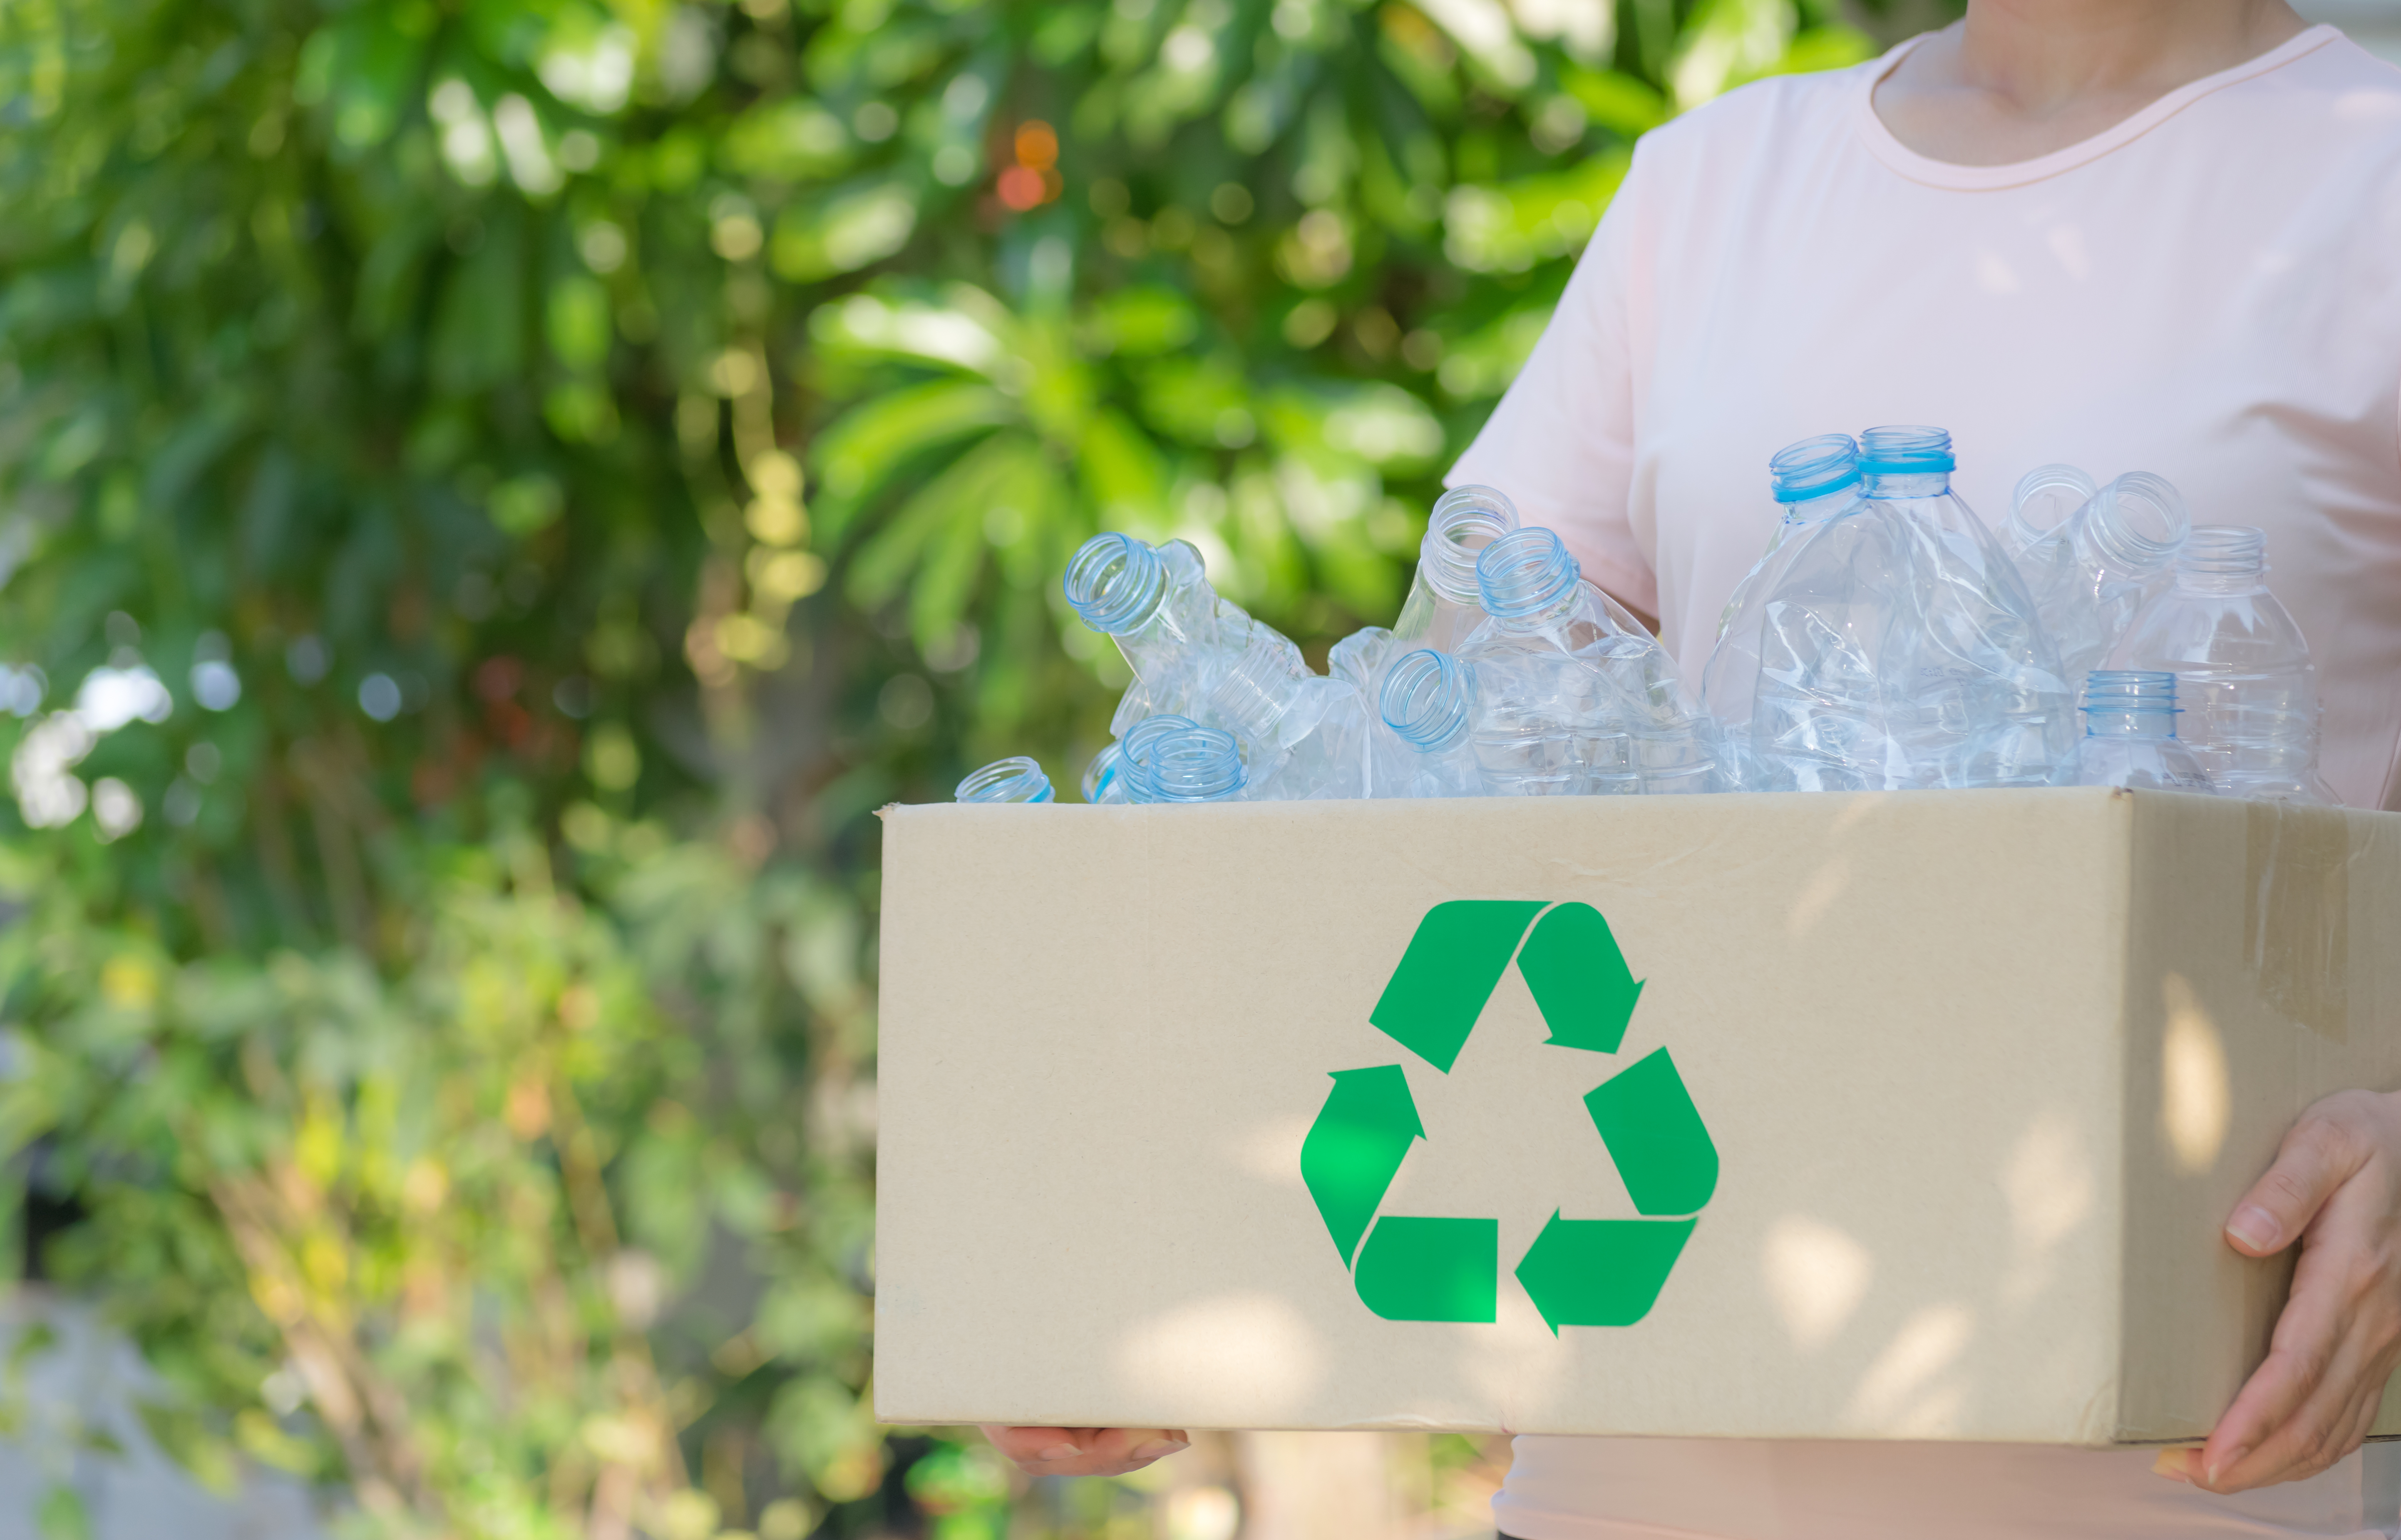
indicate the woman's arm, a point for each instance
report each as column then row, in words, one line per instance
column 2336, row 1187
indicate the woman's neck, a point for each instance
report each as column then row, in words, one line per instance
column 2018, row 79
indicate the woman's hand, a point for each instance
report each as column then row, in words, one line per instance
column 1084, row 1451
column 2336, row 1187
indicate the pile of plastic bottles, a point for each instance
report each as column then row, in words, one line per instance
column 1885, row 640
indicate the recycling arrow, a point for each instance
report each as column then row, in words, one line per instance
column 1355, row 1149
column 1663, row 1154
column 1601, row 1273
column 1580, row 979
column 1459, row 953
column 1579, row 1272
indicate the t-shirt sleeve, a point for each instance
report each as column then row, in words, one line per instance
column 1561, row 442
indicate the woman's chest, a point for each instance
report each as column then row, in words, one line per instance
column 2245, row 346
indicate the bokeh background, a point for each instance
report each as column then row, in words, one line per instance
column 493, row 495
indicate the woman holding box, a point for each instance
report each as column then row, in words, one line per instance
column 2130, row 234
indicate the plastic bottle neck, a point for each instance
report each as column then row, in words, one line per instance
column 1115, row 584
column 2132, row 528
column 1525, row 579
column 2129, row 724
column 1905, row 463
column 2223, row 559
column 2130, row 703
column 1805, row 476
column 1014, row 779
column 1823, row 506
column 1258, row 688
column 1104, row 777
column 1892, row 486
column 2046, row 497
column 1135, row 747
column 1465, row 521
column 1428, row 700
column 1193, row 764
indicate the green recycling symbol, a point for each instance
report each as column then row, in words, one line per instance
column 1579, row 1272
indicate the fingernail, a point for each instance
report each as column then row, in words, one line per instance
column 2171, row 1465
column 1060, row 1451
column 1158, row 1448
column 2255, row 1228
column 2215, row 1470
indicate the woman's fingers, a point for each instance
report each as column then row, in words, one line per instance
column 2307, row 1344
column 1084, row 1451
column 2325, row 1425
column 2324, row 1150
column 1024, row 1444
column 2336, row 1187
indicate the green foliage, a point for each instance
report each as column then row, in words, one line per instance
column 496, row 491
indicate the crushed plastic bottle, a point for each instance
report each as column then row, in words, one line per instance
column 1811, row 481
column 1429, row 703
column 2129, row 736
column 1305, row 737
column 2090, row 572
column 1196, row 655
column 1359, row 659
column 1900, row 647
column 2243, row 668
column 1573, row 696
column 1017, row 778
column 1157, row 605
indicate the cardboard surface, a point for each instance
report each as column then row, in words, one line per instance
column 1981, row 1074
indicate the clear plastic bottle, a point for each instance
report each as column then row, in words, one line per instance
column 1106, row 775
column 1155, row 603
column 1014, row 779
column 1901, row 649
column 1574, row 697
column 2088, row 575
column 2045, row 499
column 1358, row 659
column 1429, row 703
column 1196, row 655
column 2243, row 673
column 1811, row 481
column 1304, row 737
column 1128, row 757
column 1443, row 604
column 1174, row 631
column 1189, row 764
column 2129, row 736
column 1976, row 695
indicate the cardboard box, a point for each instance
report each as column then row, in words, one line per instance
column 1921, row 1121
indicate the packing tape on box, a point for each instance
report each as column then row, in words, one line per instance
column 2297, row 911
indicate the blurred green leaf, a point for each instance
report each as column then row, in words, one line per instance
column 1142, row 321
column 1510, row 227
column 60, row 1515
column 788, row 140
column 862, row 450
column 578, row 322
column 1620, row 103
column 541, row 474
column 844, row 230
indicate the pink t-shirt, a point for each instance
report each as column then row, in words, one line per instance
column 2211, row 291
